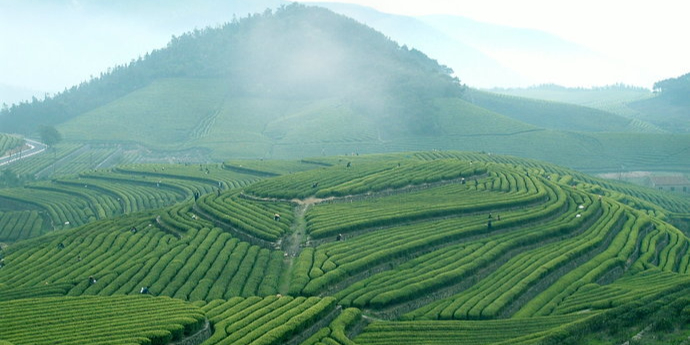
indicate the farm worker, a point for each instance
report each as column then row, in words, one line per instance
column 144, row 290
column 276, row 217
column 488, row 225
column 339, row 237
column 134, row 230
column 92, row 280
column 2, row 263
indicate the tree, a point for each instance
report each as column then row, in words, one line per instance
column 49, row 135
column 9, row 178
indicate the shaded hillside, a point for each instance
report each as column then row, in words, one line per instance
column 664, row 110
column 553, row 115
column 670, row 109
column 670, row 116
column 297, row 53
column 612, row 98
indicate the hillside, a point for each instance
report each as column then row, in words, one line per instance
column 8, row 143
column 554, row 115
column 365, row 249
column 304, row 81
column 665, row 109
column 473, row 65
column 299, row 53
column 671, row 107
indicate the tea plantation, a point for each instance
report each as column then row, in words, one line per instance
column 420, row 247
column 8, row 142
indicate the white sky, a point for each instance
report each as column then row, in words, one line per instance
column 47, row 51
column 649, row 37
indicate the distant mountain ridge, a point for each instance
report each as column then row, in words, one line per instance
column 483, row 54
column 298, row 52
column 303, row 81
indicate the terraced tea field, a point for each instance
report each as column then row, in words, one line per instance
column 427, row 247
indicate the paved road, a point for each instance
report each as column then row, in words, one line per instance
column 34, row 148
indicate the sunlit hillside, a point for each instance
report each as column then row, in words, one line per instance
column 365, row 249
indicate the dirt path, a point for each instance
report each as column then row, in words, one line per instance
column 292, row 244
column 196, row 338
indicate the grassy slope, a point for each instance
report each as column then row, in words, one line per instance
column 8, row 142
column 666, row 115
column 175, row 114
column 165, row 114
column 606, row 99
column 643, row 106
column 553, row 115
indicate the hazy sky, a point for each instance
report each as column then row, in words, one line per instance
column 47, row 46
column 646, row 39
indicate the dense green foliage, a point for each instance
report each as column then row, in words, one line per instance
column 675, row 90
column 511, row 331
column 98, row 320
column 257, row 219
column 435, row 246
column 49, row 135
column 269, row 320
column 19, row 225
column 203, row 265
column 71, row 201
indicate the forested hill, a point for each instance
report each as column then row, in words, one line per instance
column 296, row 52
column 675, row 90
column 670, row 109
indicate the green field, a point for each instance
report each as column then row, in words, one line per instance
column 8, row 142
column 433, row 247
column 98, row 320
column 614, row 99
column 221, row 125
column 66, row 202
column 221, row 191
